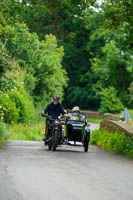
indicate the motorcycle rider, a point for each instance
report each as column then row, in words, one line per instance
column 53, row 109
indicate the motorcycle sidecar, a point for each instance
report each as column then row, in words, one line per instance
column 77, row 130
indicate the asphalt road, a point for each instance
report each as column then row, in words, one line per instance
column 29, row 171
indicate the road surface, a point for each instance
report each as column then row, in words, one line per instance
column 29, row 171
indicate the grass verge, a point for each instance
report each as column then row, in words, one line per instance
column 91, row 120
column 114, row 142
column 27, row 132
column 4, row 134
column 131, row 113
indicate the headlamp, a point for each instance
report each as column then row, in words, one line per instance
column 56, row 122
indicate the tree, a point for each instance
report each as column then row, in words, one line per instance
column 15, row 103
column 5, row 59
column 114, row 67
column 119, row 13
column 110, row 102
column 65, row 20
column 41, row 59
column 93, row 44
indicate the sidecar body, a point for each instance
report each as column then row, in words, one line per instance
column 75, row 127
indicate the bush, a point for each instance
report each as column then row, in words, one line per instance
column 24, row 105
column 130, row 89
column 15, row 103
column 114, row 142
column 10, row 80
column 42, row 60
column 16, row 106
column 4, row 134
column 8, row 111
column 110, row 102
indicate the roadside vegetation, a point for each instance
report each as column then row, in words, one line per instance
column 4, row 134
column 27, row 132
column 92, row 120
column 131, row 113
column 116, row 142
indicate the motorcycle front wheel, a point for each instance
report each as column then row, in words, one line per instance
column 49, row 147
column 55, row 140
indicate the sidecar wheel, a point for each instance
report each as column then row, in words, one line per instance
column 86, row 141
column 86, row 146
column 54, row 148
column 49, row 147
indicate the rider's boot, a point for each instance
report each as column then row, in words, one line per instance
column 46, row 135
column 46, row 140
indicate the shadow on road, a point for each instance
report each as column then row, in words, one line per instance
column 79, row 149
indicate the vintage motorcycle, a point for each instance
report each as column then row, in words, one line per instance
column 54, row 133
column 63, row 131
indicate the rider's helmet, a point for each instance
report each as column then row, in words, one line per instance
column 56, row 98
column 75, row 109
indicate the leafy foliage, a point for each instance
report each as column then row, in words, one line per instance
column 4, row 134
column 119, row 13
column 115, row 65
column 114, row 142
column 52, row 40
column 42, row 60
column 110, row 102
column 131, row 94
column 26, row 132
column 9, row 112
column 15, row 104
column 5, row 60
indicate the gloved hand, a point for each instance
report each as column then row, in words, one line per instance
column 42, row 114
column 66, row 116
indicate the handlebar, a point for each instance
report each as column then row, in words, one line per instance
column 50, row 116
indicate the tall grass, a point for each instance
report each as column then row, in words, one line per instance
column 131, row 113
column 27, row 132
column 92, row 120
column 115, row 142
column 4, row 134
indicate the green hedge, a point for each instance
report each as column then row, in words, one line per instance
column 4, row 134
column 114, row 142
column 16, row 107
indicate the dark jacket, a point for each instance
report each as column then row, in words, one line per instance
column 54, row 110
